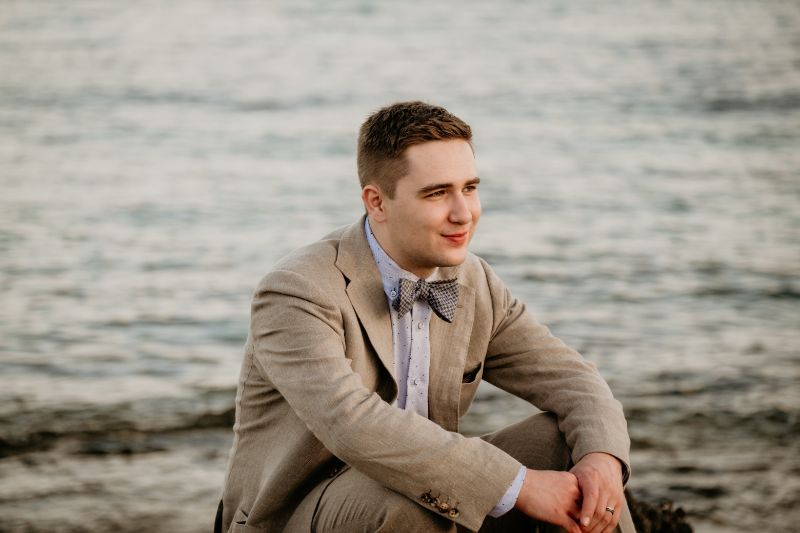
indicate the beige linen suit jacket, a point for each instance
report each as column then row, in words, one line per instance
column 316, row 388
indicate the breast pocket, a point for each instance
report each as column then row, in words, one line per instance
column 469, row 386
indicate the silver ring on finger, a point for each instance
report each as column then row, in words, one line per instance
column 610, row 510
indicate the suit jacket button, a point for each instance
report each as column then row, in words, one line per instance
column 453, row 513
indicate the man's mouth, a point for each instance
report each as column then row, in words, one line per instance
column 457, row 238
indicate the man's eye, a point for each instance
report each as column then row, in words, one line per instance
column 436, row 194
column 471, row 188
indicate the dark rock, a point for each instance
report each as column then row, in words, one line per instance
column 657, row 517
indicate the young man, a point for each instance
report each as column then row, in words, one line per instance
column 366, row 347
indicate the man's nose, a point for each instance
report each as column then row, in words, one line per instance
column 459, row 210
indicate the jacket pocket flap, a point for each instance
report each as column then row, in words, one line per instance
column 470, row 375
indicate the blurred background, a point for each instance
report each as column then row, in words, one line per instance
column 640, row 166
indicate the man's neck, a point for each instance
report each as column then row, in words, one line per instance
column 382, row 239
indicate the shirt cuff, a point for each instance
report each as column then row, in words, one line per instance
column 508, row 500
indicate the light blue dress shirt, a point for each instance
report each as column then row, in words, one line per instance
column 412, row 352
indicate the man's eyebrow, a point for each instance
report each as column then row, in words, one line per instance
column 436, row 186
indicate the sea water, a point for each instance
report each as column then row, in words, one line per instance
column 640, row 179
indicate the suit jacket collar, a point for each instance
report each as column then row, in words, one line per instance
column 365, row 290
column 449, row 342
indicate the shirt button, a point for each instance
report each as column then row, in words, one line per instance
column 393, row 293
column 415, row 382
column 419, row 325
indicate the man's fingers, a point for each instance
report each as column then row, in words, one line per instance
column 570, row 521
column 602, row 516
column 613, row 518
column 607, row 522
column 574, row 512
column 571, row 526
column 590, row 495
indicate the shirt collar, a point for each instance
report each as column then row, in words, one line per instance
column 391, row 273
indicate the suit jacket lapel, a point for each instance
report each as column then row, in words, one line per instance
column 449, row 348
column 365, row 291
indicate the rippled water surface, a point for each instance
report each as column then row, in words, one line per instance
column 640, row 181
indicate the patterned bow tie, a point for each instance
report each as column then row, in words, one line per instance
column 442, row 296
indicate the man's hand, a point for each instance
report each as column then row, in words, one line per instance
column 552, row 497
column 600, row 479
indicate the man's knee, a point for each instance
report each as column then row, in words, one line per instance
column 536, row 442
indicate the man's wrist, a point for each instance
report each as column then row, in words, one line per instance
column 509, row 499
column 624, row 470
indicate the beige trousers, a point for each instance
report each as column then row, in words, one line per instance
column 354, row 503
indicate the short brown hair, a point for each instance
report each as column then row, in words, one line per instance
column 387, row 133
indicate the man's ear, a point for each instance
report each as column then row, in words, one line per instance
column 373, row 199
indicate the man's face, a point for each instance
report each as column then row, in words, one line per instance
column 432, row 217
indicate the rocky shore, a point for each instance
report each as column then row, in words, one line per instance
column 657, row 517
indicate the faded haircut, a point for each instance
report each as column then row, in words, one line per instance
column 387, row 133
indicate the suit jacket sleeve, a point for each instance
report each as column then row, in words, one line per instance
column 525, row 359
column 299, row 346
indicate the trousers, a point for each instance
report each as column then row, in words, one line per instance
column 354, row 503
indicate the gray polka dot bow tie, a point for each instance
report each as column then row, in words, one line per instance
column 442, row 296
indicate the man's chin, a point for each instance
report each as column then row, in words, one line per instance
column 452, row 260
